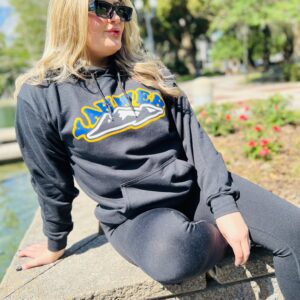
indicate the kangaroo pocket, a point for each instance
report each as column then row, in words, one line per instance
column 168, row 186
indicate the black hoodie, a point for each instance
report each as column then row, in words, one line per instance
column 129, row 149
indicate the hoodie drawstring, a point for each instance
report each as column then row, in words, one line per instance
column 123, row 89
column 127, row 96
column 102, row 94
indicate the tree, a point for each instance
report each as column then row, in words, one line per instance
column 28, row 44
column 179, row 29
column 267, row 15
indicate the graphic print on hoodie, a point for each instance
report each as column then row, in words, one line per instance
column 128, row 148
column 97, row 123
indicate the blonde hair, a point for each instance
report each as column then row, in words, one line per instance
column 65, row 49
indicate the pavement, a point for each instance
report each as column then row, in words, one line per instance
column 232, row 88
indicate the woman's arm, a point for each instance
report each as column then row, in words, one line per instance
column 220, row 192
column 51, row 174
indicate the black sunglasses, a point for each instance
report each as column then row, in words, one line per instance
column 106, row 10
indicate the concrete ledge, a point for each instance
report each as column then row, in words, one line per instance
column 265, row 288
column 89, row 268
column 7, row 135
column 9, row 153
column 260, row 263
column 92, row 269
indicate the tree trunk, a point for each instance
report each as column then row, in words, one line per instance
column 187, row 53
column 296, row 31
column 266, row 53
column 288, row 48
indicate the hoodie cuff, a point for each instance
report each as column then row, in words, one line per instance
column 223, row 205
column 56, row 245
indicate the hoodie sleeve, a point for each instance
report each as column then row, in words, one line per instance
column 51, row 174
column 213, row 178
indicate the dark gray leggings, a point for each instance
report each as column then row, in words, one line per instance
column 172, row 245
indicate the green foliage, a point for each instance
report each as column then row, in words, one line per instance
column 7, row 116
column 268, row 25
column 274, row 111
column 291, row 72
column 214, row 118
column 31, row 26
column 229, row 13
column 182, row 78
column 28, row 44
column 227, row 47
column 176, row 30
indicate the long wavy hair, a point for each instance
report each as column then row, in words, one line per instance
column 65, row 50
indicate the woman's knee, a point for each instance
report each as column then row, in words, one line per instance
column 193, row 248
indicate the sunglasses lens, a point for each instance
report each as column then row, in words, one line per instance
column 124, row 13
column 104, row 10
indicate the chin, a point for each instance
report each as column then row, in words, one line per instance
column 115, row 49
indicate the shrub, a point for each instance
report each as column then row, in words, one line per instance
column 259, row 120
column 216, row 119
column 273, row 111
column 291, row 72
column 262, row 142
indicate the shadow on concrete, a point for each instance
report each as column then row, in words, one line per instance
column 89, row 242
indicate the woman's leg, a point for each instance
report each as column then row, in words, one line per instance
column 273, row 223
column 167, row 246
column 172, row 245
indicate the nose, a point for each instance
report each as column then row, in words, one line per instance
column 115, row 17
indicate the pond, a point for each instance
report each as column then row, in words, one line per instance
column 7, row 116
column 18, row 203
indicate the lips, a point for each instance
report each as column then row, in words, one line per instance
column 116, row 30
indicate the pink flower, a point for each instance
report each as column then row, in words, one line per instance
column 257, row 128
column 228, row 117
column 264, row 151
column 243, row 117
column 264, row 142
column 276, row 128
column 251, row 143
column 203, row 113
column 246, row 107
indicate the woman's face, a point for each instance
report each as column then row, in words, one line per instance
column 101, row 43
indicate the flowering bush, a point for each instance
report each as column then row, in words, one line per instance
column 260, row 121
column 262, row 143
column 216, row 119
column 274, row 111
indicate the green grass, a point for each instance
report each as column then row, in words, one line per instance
column 183, row 78
column 252, row 77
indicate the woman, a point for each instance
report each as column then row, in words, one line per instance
column 97, row 107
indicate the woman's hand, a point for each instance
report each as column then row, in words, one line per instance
column 40, row 254
column 234, row 229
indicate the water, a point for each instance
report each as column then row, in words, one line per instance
column 18, row 203
column 7, row 116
